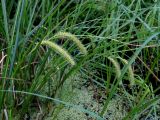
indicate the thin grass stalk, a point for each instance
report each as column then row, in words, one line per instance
column 5, row 18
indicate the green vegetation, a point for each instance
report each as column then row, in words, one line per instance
column 79, row 59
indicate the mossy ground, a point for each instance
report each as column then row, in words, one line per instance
column 75, row 92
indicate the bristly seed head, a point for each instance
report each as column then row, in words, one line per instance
column 130, row 72
column 72, row 38
column 60, row 50
column 117, row 68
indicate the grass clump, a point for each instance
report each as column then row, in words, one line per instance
column 97, row 32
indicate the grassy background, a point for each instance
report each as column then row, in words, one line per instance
column 122, row 42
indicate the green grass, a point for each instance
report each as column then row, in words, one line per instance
column 46, row 43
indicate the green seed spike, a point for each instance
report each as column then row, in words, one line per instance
column 60, row 50
column 72, row 38
column 117, row 68
column 130, row 71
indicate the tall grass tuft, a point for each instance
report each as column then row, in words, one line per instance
column 115, row 30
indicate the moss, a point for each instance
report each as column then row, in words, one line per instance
column 71, row 114
column 84, row 97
